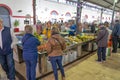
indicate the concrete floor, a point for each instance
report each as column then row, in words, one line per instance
column 92, row 70
column 85, row 69
column 89, row 69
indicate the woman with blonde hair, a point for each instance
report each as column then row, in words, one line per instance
column 55, row 47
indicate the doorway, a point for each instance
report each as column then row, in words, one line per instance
column 5, row 15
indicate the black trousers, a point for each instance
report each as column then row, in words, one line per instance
column 119, row 42
column 101, row 53
column 115, row 44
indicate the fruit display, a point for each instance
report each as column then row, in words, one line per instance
column 41, row 47
column 85, row 37
column 70, row 40
column 64, row 33
column 73, row 39
column 41, row 38
column 78, row 39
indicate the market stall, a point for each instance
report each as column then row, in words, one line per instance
column 77, row 47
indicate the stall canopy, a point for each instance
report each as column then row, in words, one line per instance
column 103, row 3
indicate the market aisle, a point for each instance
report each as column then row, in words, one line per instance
column 92, row 70
column 89, row 69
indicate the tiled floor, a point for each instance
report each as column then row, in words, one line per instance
column 88, row 69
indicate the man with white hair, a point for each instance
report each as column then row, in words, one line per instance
column 6, row 50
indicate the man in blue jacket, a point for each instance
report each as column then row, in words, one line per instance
column 7, row 41
column 30, row 54
column 73, row 29
column 116, row 36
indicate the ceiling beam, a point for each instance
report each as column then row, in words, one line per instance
column 111, row 3
column 96, row 3
column 101, row 4
column 72, row 1
column 109, row 7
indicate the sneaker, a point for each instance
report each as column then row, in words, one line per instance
column 63, row 78
column 104, row 61
column 98, row 61
column 114, row 51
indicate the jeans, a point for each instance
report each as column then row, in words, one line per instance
column 31, row 69
column 7, row 64
column 57, row 60
column 101, row 53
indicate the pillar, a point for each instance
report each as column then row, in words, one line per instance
column 114, row 4
column 78, row 15
column 101, row 15
column 34, row 12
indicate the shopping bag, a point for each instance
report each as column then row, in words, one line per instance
column 108, row 51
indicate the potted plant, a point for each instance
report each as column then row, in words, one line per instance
column 16, row 24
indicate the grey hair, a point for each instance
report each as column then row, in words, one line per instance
column 28, row 29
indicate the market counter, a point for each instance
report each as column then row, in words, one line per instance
column 72, row 53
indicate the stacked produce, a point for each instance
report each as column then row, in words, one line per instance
column 69, row 39
column 73, row 39
column 78, row 39
column 85, row 37
column 41, row 38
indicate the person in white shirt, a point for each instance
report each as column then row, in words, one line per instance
column 7, row 42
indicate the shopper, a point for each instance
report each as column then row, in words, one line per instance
column 116, row 36
column 47, row 29
column 7, row 42
column 102, row 39
column 73, row 29
column 39, row 27
column 30, row 54
column 55, row 47
column 93, row 27
column 108, row 50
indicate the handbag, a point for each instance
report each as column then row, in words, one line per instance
column 58, row 42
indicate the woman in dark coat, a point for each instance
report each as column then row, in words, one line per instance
column 30, row 43
column 102, row 39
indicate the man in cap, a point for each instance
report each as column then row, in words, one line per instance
column 116, row 36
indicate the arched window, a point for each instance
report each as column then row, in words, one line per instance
column 3, row 6
column 68, row 14
column 5, row 13
column 54, row 16
column 54, row 12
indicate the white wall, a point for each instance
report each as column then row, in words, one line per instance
column 43, row 11
column 44, row 8
column 15, row 5
column 96, row 14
